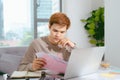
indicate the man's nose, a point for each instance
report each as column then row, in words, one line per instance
column 58, row 34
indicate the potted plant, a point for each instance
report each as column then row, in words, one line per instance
column 94, row 25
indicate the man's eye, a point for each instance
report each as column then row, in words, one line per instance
column 55, row 30
column 63, row 32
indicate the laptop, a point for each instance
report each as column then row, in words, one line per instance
column 84, row 61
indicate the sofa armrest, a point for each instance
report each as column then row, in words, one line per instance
column 10, row 58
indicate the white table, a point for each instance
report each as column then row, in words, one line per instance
column 111, row 73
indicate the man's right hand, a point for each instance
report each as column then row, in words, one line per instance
column 38, row 63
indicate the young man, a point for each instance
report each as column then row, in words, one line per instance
column 59, row 23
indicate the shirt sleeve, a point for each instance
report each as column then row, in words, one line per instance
column 26, row 62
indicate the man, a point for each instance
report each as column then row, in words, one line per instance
column 59, row 23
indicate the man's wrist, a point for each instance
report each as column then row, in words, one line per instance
column 30, row 68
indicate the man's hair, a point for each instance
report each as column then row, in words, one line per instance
column 59, row 18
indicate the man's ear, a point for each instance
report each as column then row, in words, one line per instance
column 49, row 26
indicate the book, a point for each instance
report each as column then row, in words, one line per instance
column 25, row 74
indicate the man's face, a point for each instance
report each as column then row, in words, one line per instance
column 57, row 32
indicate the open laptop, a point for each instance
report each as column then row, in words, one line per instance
column 84, row 61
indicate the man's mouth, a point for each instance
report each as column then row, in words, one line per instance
column 57, row 39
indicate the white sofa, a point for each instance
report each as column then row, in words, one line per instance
column 10, row 58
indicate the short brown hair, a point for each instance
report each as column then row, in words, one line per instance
column 59, row 18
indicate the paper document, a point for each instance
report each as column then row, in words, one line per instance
column 54, row 63
column 25, row 74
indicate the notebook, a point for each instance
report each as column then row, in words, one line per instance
column 84, row 61
column 25, row 74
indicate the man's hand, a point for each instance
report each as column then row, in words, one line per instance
column 66, row 42
column 38, row 63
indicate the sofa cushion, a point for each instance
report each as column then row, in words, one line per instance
column 9, row 62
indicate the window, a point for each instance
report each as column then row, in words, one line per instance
column 21, row 21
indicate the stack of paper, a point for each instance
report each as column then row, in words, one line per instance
column 54, row 63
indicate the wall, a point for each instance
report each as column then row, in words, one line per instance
column 112, row 31
column 77, row 10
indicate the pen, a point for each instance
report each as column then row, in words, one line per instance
column 43, row 75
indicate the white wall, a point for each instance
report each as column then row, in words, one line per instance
column 112, row 31
column 77, row 10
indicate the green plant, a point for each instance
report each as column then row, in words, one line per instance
column 95, row 27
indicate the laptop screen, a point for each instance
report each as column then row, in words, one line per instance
column 84, row 61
